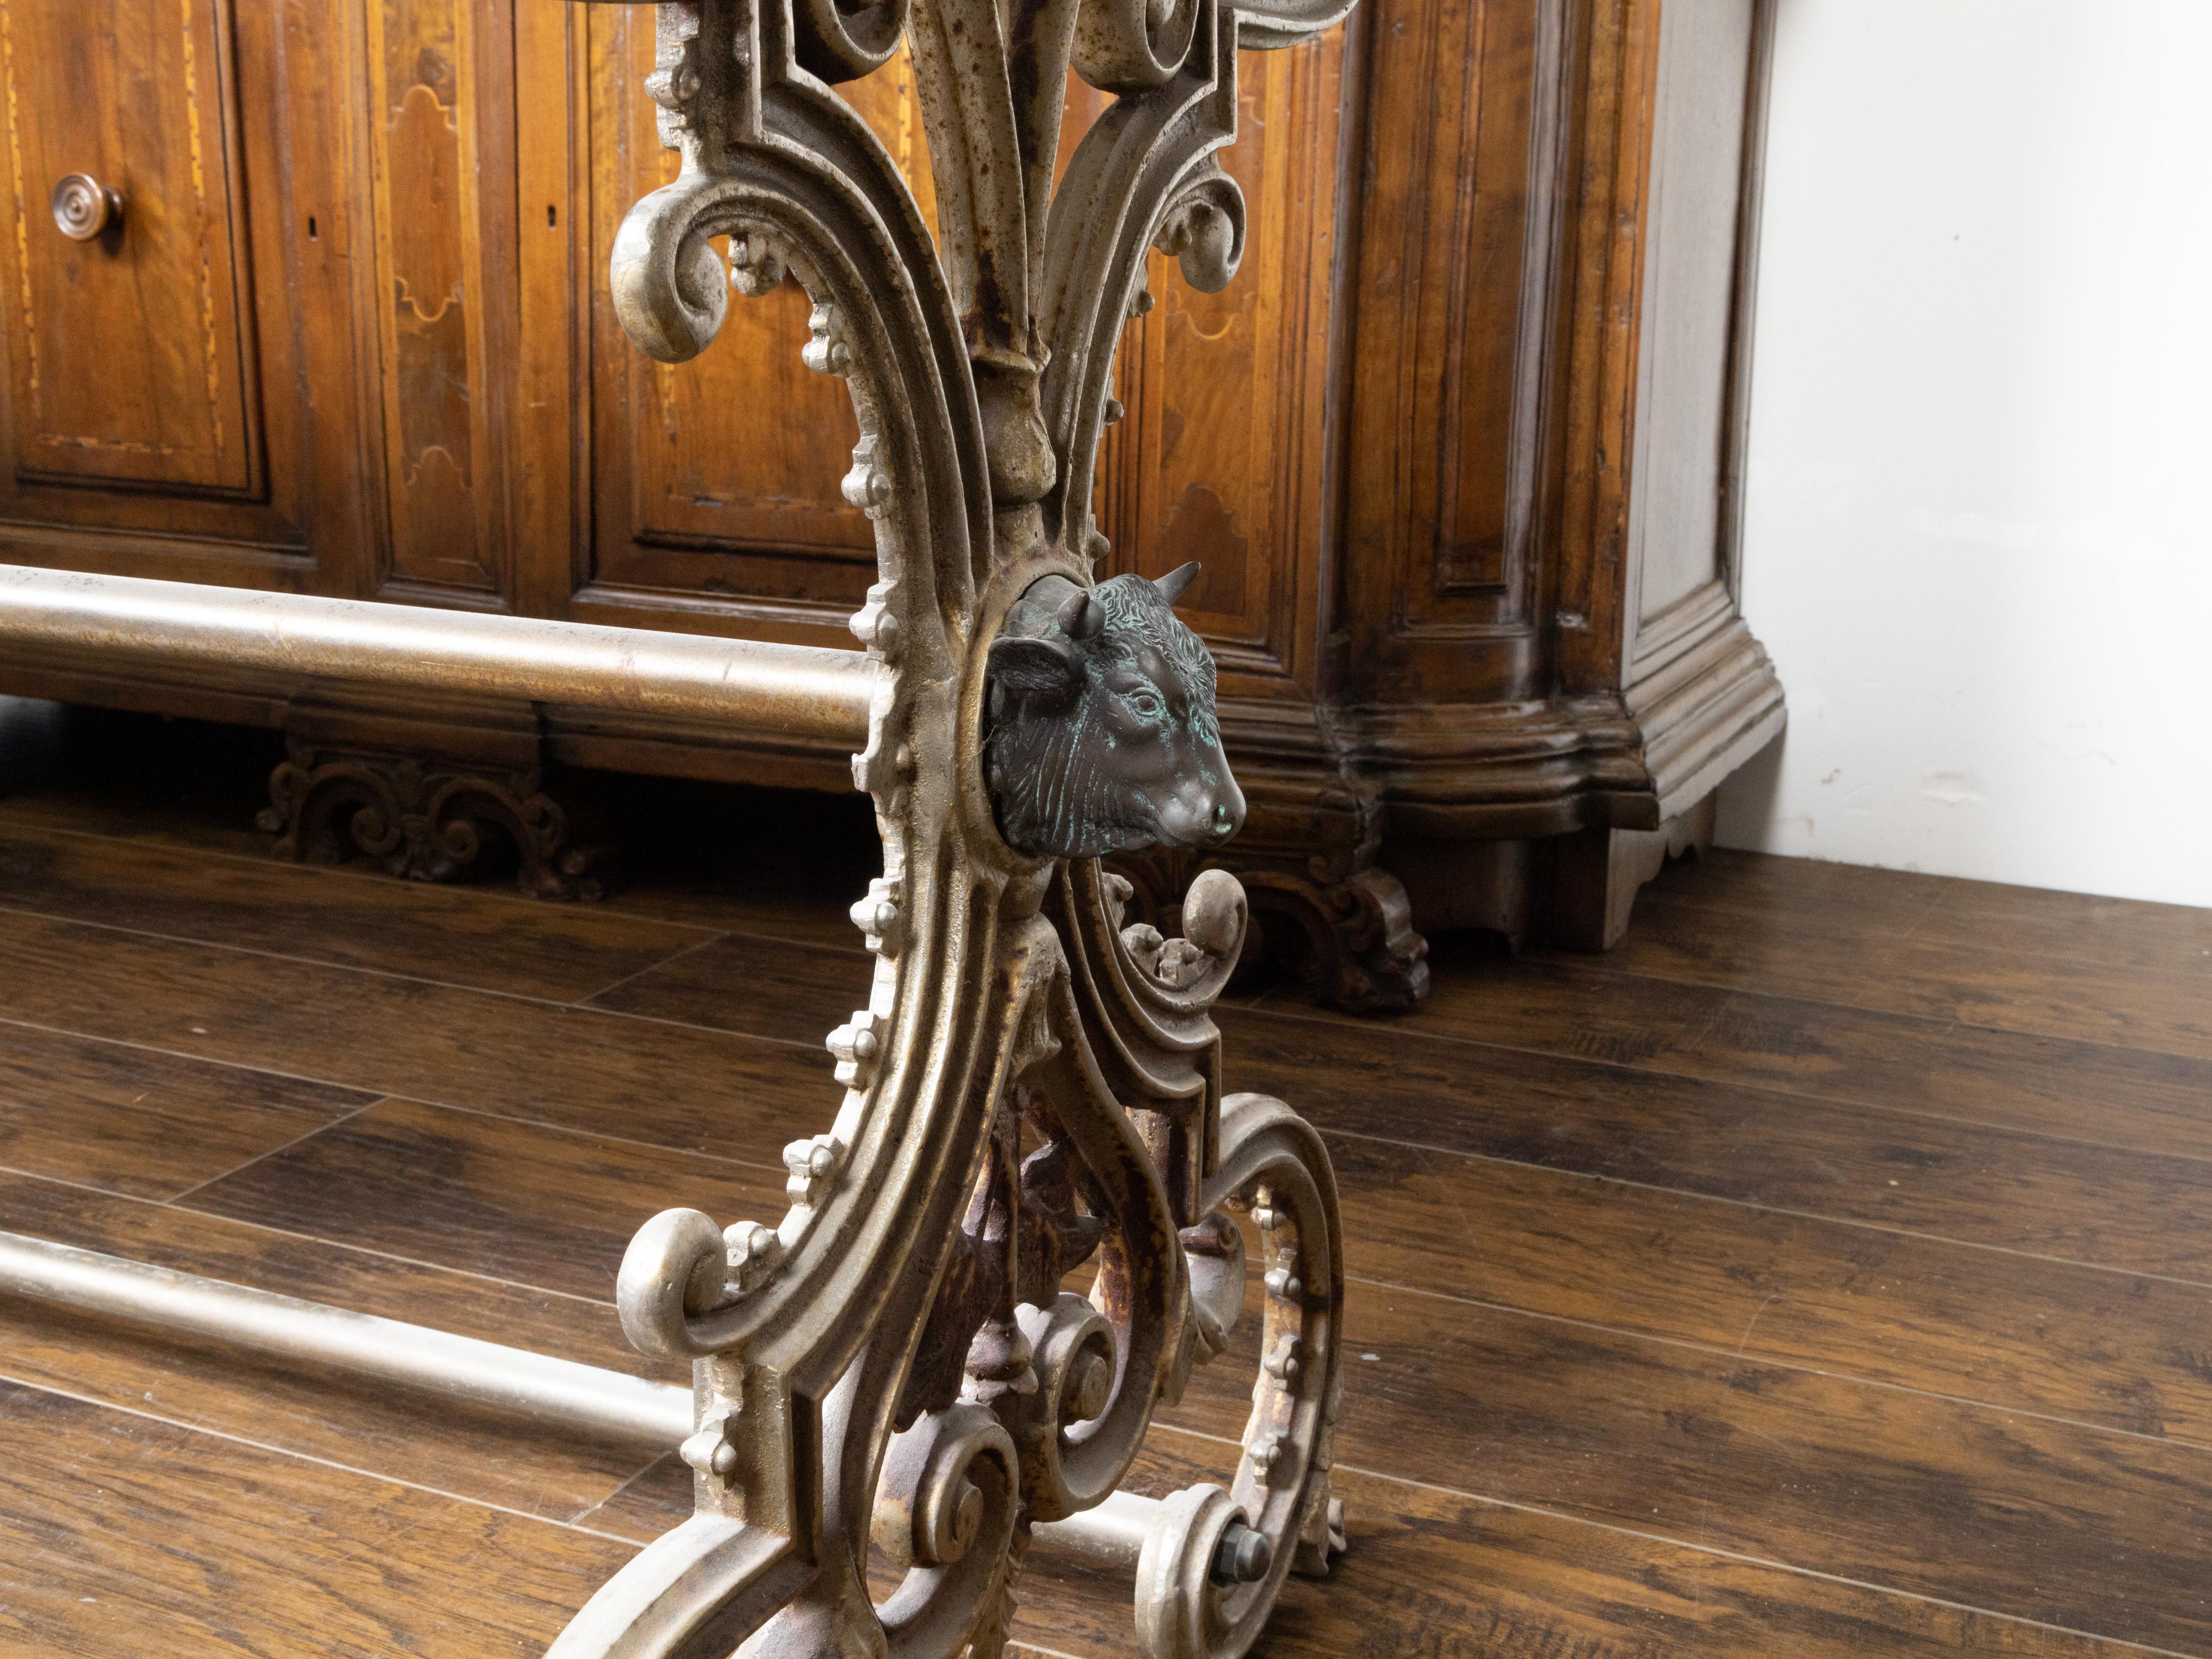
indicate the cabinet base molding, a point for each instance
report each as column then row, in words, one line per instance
column 1596, row 874
column 1574, row 890
column 1368, row 828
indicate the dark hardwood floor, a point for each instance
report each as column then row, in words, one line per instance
column 1826, row 1272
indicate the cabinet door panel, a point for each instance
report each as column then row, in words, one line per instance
column 717, row 480
column 1219, row 459
column 130, row 365
column 183, row 394
column 1463, row 152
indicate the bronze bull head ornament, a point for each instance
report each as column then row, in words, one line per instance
column 1102, row 735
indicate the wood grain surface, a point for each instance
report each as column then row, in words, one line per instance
column 1733, row 1295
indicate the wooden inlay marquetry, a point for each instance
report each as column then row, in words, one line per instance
column 434, row 235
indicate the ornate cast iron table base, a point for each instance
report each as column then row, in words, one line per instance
column 1031, row 1085
column 1033, row 1082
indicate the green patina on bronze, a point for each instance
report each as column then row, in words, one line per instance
column 1102, row 736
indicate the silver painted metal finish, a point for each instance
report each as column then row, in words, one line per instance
column 896, row 1359
column 746, row 685
column 1114, row 1532
column 558, row 1393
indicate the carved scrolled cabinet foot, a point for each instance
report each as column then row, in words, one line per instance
column 429, row 823
column 1032, row 1080
column 433, row 790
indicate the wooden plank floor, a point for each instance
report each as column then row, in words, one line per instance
column 1827, row 1272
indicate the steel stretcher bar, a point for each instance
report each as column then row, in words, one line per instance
column 746, row 686
column 554, row 1393
column 558, row 1392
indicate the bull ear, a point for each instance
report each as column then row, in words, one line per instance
column 1172, row 585
column 1042, row 672
column 1081, row 616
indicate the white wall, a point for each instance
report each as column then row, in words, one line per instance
column 1979, row 472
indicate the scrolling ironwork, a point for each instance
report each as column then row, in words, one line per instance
column 1033, row 1088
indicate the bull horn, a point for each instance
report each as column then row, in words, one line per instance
column 1081, row 616
column 1171, row 586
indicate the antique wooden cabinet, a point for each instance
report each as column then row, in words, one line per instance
column 1458, row 449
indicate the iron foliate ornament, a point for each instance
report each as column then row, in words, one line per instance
column 1032, row 1087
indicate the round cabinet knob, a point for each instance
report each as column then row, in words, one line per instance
column 83, row 207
